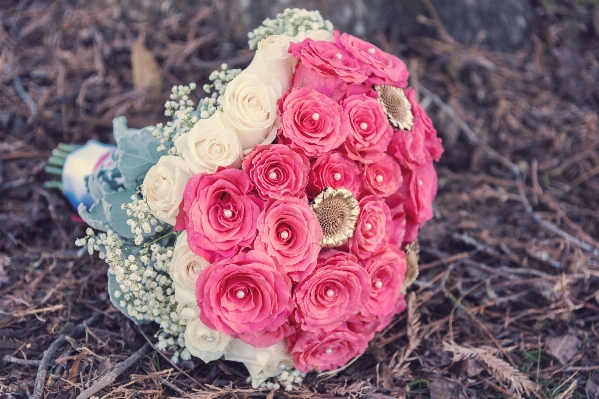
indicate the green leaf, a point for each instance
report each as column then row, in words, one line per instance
column 95, row 217
column 137, row 151
column 116, row 216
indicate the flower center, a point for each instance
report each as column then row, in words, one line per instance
column 379, row 178
column 337, row 176
column 253, row 103
column 378, row 284
column 284, row 235
column 328, row 351
column 363, row 125
column 371, row 50
column 158, row 184
column 240, row 294
column 420, row 182
column 368, row 226
column 315, row 116
column 330, row 293
column 228, row 213
column 208, row 339
column 339, row 56
column 217, row 148
column 273, row 175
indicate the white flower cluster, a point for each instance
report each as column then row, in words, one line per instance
column 180, row 107
column 290, row 22
column 142, row 221
column 285, row 380
column 145, row 287
column 220, row 80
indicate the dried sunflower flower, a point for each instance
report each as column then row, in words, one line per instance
column 396, row 106
column 337, row 211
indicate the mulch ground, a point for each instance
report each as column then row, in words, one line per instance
column 508, row 295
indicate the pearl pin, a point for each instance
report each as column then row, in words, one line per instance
column 339, row 56
column 330, row 293
column 228, row 213
column 158, row 184
column 273, row 175
column 328, row 351
column 254, row 103
column 368, row 226
column 378, row 284
column 363, row 125
column 197, row 269
column 282, row 366
column 284, row 235
column 240, row 294
column 209, row 339
column 218, row 148
column 371, row 50
column 379, row 178
column 315, row 116
column 420, row 182
column 337, row 176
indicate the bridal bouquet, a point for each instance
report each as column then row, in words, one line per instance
column 270, row 224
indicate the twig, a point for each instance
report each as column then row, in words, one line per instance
column 46, row 362
column 109, row 377
column 12, row 359
column 26, row 98
column 472, row 135
column 35, row 311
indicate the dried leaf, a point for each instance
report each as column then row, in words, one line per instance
column 563, row 348
column 567, row 394
column 146, row 73
column 444, row 388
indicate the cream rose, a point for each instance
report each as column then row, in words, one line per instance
column 201, row 341
column 210, row 144
column 250, row 106
column 185, row 268
column 184, row 296
column 164, row 185
column 262, row 363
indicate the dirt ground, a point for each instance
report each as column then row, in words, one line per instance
column 507, row 302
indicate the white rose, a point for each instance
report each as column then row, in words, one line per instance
column 186, row 265
column 164, row 185
column 250, row 105
column 184, row 296
column 210, row 144
column 201, row 341
column 262, row 363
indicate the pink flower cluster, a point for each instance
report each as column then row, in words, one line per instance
column 269, row 279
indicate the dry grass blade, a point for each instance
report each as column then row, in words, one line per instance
column 414, row 336
column 567, row 394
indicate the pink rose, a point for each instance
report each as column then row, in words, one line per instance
column 220, row 214
column 337, row 289
column 373, row 228
column 325, row 351
column 419, row 188
column 277, row 171
column 369, row 326
column 383, row 178
column 244, row 295
column 387, row 271
column 398, row 220
column 370, row 131
column 334, row 170
column 411, row 148
column 289, row 232
column 268, row 338
column 329, row 60
column 331, row 86
column 386, row 68
column 312, row 122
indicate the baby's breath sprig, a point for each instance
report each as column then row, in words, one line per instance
column 142, row 220
column 286, row 380
column 290, row 22
column 181, row 108
column 220, row 80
